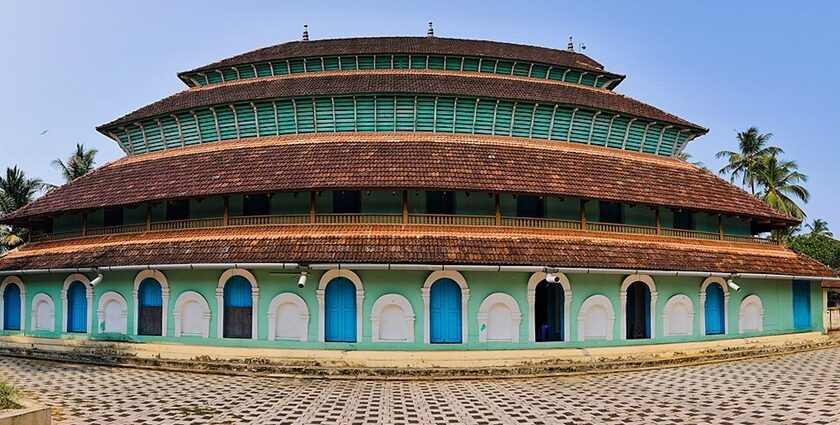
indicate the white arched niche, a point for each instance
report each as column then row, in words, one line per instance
column 288, row 318
column 596, row 319
column 703, row 287
column 112, row 313
column 192, row 315
column 751, row 315
column 88, row 297
column 43, row 313
column 426, row 292
column 13, row 280
column 678, row 316
column 220, row 298
column 535, row 280
column 392, row 319
column 164, row 294
column 499, row 318
column 320, row 294
column 647, row 280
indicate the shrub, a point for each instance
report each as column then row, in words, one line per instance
column 7, row 397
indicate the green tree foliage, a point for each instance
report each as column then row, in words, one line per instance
column 16, row 190
column 819, row 227
column 743, row 164
column 80, row 162
column 780, row 181
column 819, row 247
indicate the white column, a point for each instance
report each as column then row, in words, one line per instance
column 319, row 295
column 726, row 313
column 64, row 311
column 255, row 299
column 360, row 300
column 164, row 310
column 465, row 296
column 23, row 309
column 89, row 297
column 653, row 296
column 426, row 293
column 136, row 294
column 532, row 321
column 623, row 315
column 702, row 296
column 567, row 315
column 220, row 310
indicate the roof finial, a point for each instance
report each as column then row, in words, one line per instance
column 571, row 46
column 305, row 32
column 431, row 31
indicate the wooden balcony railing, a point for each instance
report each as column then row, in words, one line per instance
column 452, row 220
column 620, row 228
column 410, row 219
column 691, row 234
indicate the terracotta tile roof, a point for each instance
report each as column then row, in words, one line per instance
column 390, row 82
column 401, row 161
column 412, row 244
column 409, row 45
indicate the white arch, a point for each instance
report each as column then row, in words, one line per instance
column 326, row 278
column 88, row 295
column 678, row 316
column 426, row 292
column 751, row 315
column 43, row 313
column 647, row 280
column 591, row 326
column 397, row 320
column 192, row 315
column 295, row 311
column 499, row 324
column 703, row 287
column 164, row 292
column 220, row 298
column 6, row 282
column 112, row 313
column 535, row 280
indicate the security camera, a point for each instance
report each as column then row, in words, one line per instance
column 302, row 280
column 552, row 278
column 731, row 283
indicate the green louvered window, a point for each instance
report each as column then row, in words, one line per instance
column 388, row 113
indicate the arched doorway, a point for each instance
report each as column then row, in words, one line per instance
column 715, row 313
column 637, row 315
column 445, row 312
column 238, row 308
column 150, row 304
column 77, row 307
column 11, row 307
column 340, row 309
column 549, row 315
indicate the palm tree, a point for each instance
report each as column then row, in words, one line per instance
column 780, row 181
column 80, row 162
column 16, row 190
column 819, row 227
column 685, row 156
column 751, row 150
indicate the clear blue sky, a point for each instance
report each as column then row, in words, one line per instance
column 69, row 66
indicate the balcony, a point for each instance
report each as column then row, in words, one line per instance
column 404, row 219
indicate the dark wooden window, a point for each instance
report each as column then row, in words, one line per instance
column 530, row 206
column 609, row 212
column 150, row 322
column 440, row 202
column 347, row 202
column 113, row 217
column 178, row 210
column 256, row 205
column 683, row 220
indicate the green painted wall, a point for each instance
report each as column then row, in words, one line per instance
column 475, row 203
column 776, row 296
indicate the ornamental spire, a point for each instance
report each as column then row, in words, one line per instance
column 431, row 31
column 305, row 32
column 571, row 46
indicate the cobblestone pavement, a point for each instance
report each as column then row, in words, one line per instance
column 798, row 388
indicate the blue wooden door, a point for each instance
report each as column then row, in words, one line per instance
column 77, row 308
column 238, row 308
column 715, row 314
column 340, row 311
column 445, row 312
column 801, row 304
column 11, row 308
column 151, row 308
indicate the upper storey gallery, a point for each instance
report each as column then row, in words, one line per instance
column 403, row 84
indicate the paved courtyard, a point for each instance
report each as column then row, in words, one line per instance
column 798, row 388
